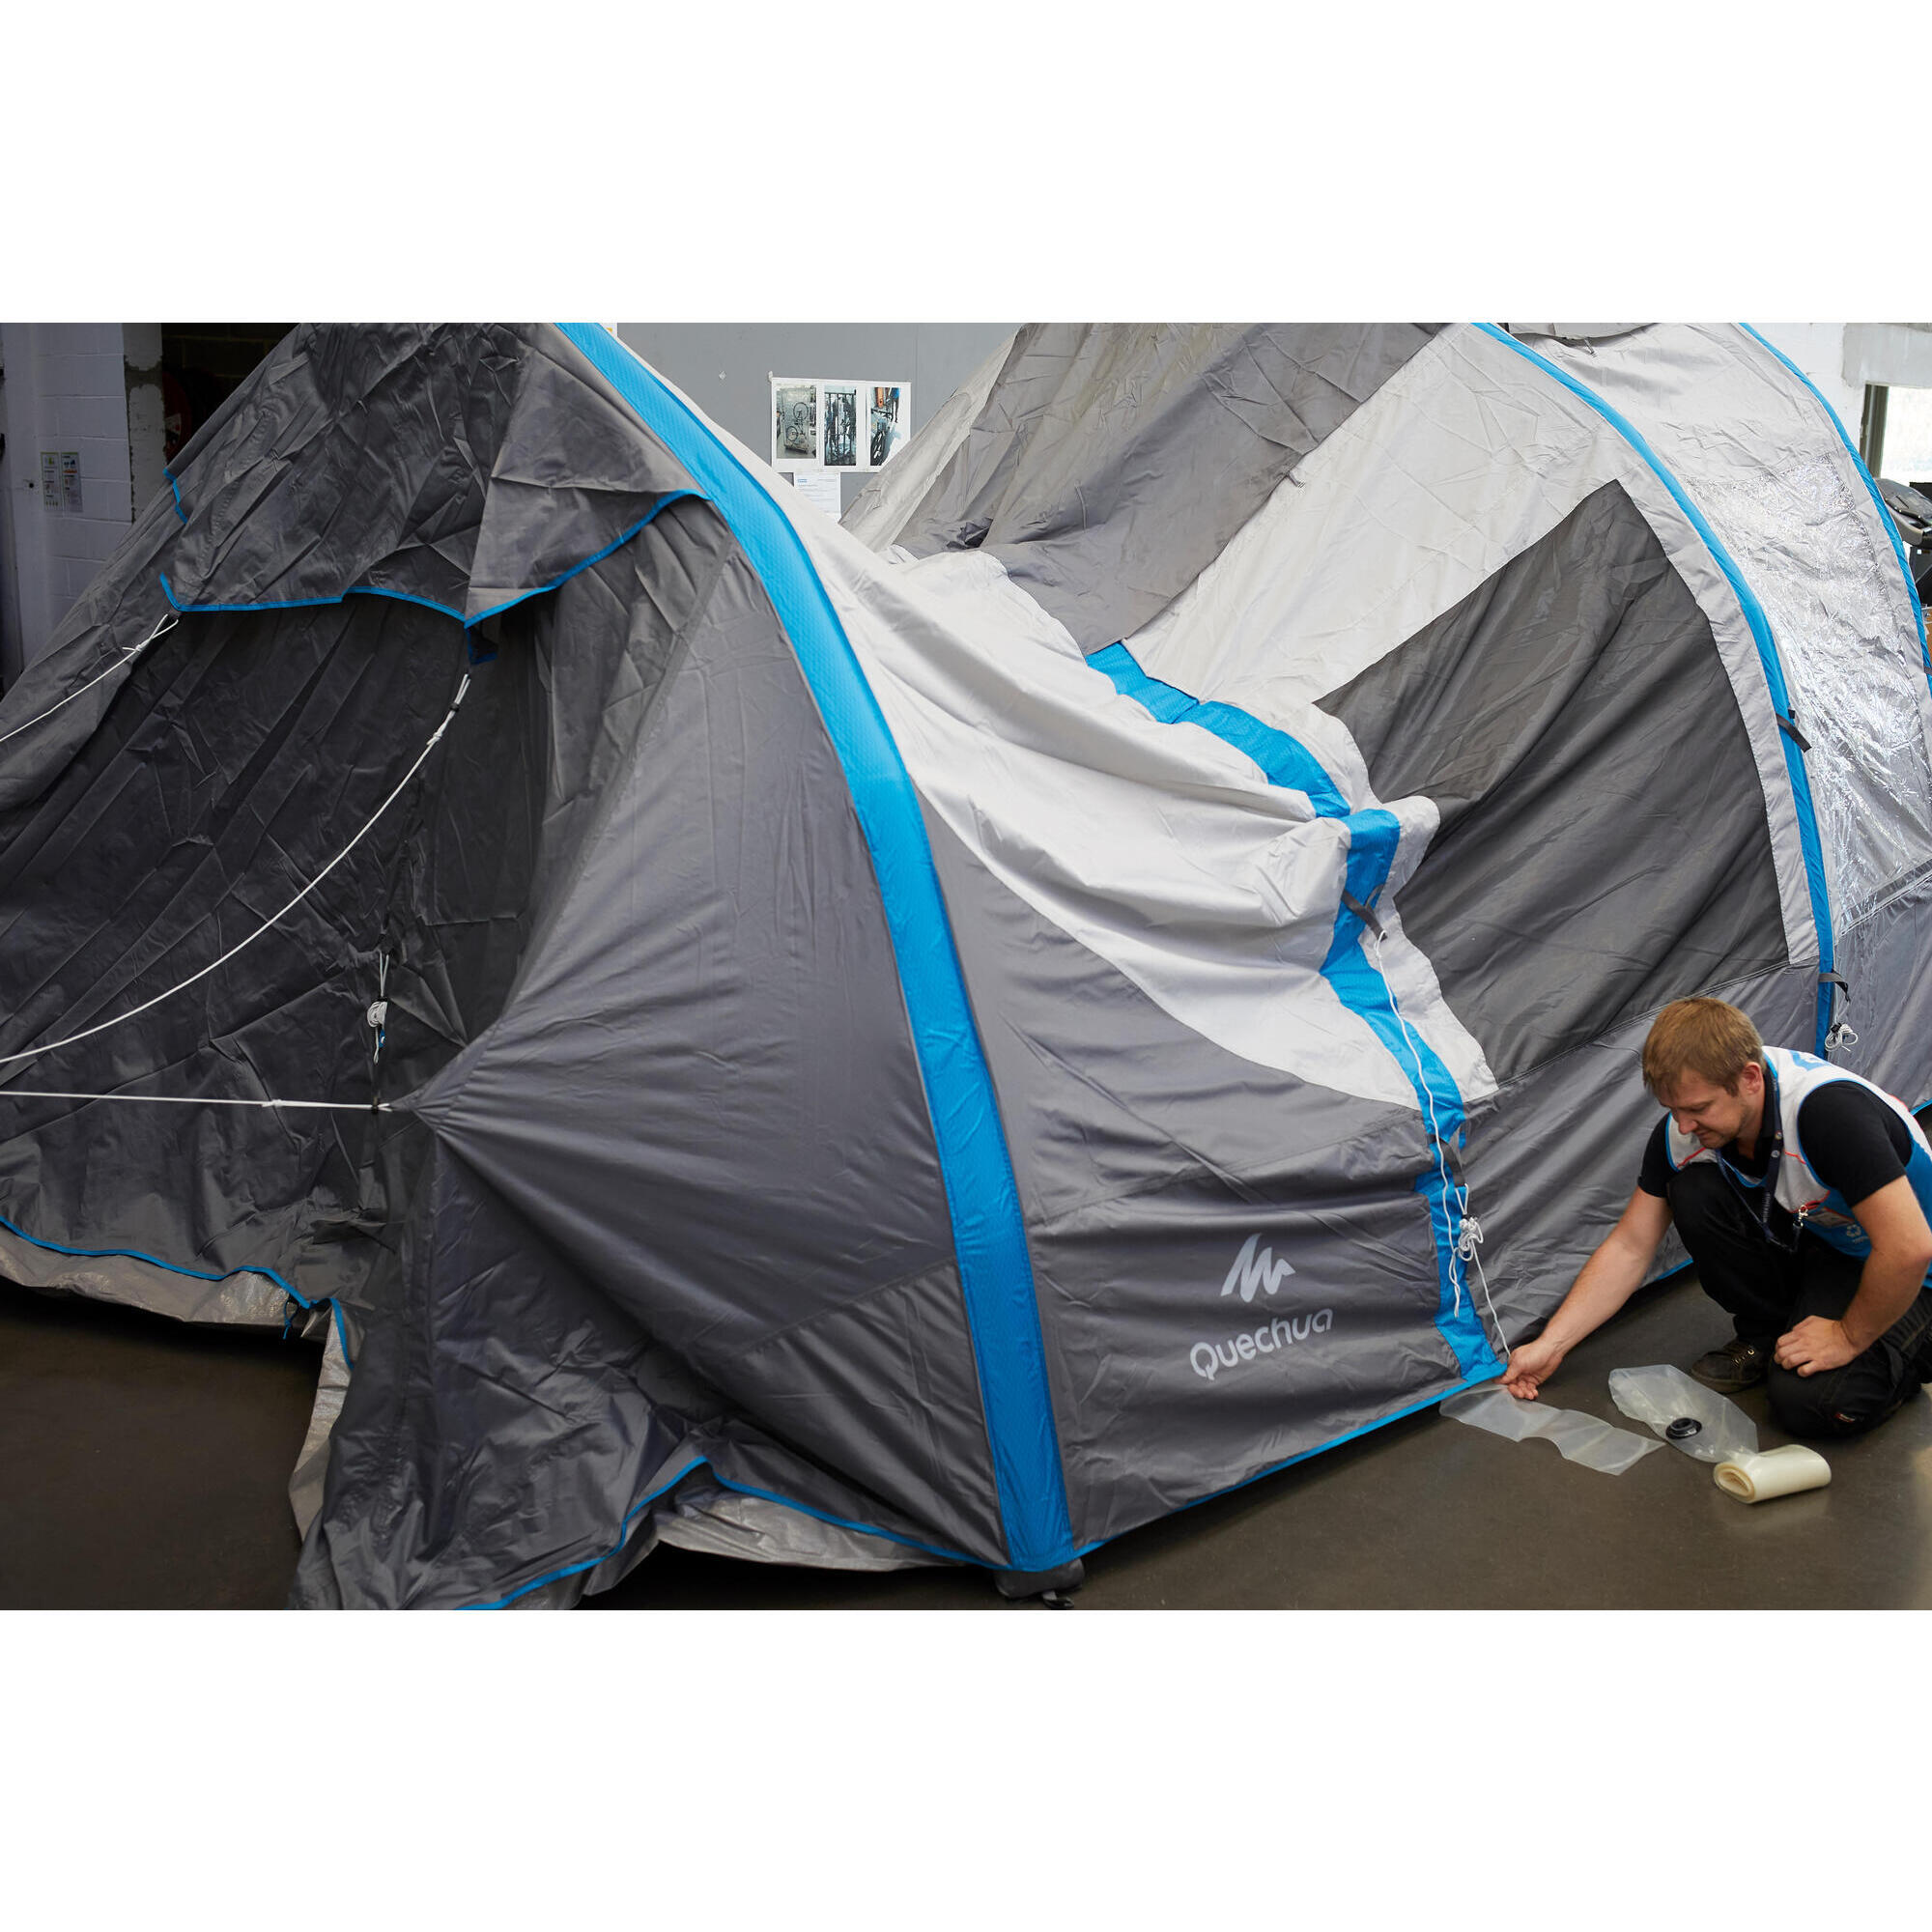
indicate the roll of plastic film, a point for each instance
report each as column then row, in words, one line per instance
column 1773, row 1472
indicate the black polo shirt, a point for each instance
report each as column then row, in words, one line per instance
column 1853, row 1142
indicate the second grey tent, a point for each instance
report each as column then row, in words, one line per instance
column 946, row 1038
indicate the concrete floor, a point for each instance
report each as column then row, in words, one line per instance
column 145, row 1466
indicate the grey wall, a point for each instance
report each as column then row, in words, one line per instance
column 726, row 367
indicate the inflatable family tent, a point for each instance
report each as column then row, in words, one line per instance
column 947, row 1038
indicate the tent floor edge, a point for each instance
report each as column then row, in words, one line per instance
column 1017, row 1584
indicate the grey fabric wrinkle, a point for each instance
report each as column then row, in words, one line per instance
column 1111, row 463
column 1148, row 1158
column 159, row 818
column 1603, row 845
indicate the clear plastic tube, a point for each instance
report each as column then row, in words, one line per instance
column 1576, row 1438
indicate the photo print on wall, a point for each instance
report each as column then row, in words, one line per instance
column 842, row 425
column 890, row 411
column 794, row 424
column 826, row 422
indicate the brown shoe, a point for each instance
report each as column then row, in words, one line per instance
column 1740, row 1364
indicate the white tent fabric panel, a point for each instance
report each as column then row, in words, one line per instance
column 1161, row 848
column 1462, row 460
column 1758, row 455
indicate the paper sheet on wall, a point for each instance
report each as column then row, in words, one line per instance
column 819, row 487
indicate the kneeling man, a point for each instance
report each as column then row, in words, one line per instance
column 1804, row 1196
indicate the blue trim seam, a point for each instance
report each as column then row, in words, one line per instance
column 174, row 484
column 952, row 1556
column 406, row 597
column 1872, row 487
column 1368, row 1428
column 743, row 1490
column 1767, row 652
column 976, row 1167
column 845, row 1522
column 1489, row 1374
column 342, row 1333
column 592, row 1562
column 293, row 1294
column 1373, row 837
column 154, row 1261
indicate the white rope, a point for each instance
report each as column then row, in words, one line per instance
column 167, row 622
column 197, row 1100
column 34, row 1052
column 1470, row 1245
column 1470, row 1233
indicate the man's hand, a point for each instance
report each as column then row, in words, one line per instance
column 1814, row 1346
column 1609, row 1280
column 1531, row 1364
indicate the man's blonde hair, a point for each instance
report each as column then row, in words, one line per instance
column 1710, row 1037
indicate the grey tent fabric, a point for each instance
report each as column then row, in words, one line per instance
column 1601, row 849
column 779, row 1176
column 412, row 464
column 173, row 834
column 412, row 1515
column 367, row 443
column 1156, row 1162
column 944, row 1047
column 1109, row 466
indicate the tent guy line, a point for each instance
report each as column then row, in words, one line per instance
column 52, row 1046
column 202, row 1100
column 168, row 623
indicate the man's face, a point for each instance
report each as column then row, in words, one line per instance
column 1712, row 1115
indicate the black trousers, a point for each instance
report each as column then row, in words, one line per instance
column 1767, row 1290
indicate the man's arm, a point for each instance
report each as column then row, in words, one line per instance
column 1610, row 1278
column 1902, row 1251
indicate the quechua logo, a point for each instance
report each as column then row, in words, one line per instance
column 1255, row 1266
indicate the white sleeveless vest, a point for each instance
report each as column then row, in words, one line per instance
column 1820, row 1210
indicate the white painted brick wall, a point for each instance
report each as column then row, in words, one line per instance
column 66, row 389
column 147, row 436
